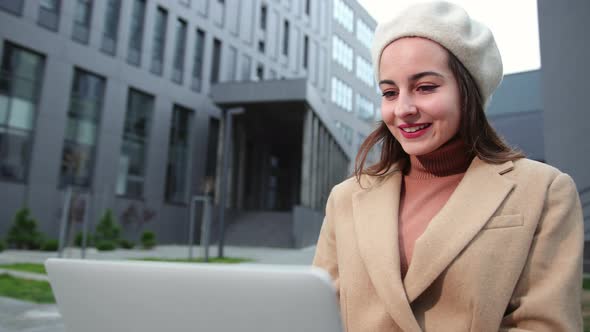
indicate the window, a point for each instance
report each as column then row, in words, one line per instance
column 130, row 181
column 261, row 46
column 81, row 29
column 246, row 67
column 364, row 108
column 111, row 26
column 364, row 71
column 198, row 60
column 20, row 77
column 177, row 184
column 136, row 33
column 159, row 44
column 186, row 3
column 341, row 94
column 230, row 74
column 49, row 14
column 307, row 7
column 81, row 129
column 305, row 51
column 363, row 33
column 345, row 132
column 263, row 16
column 260, row 72
column 12, row 6
column 342, row 53
column 179, row 51
column 343, row 14
column 286, row 38
column 215, row 67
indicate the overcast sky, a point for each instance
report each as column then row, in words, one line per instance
column 513, row 23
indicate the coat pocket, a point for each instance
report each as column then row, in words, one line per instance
column 506, row 221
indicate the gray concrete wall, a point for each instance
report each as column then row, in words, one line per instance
column 565, row 51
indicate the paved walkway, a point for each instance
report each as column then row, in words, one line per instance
column 19, row 316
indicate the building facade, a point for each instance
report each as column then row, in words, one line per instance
column 123, row 103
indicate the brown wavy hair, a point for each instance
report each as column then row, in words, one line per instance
column 476, row 132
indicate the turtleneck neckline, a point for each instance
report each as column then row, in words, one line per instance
column 450, row 159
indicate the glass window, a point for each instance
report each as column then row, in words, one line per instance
column 263, row 16
column 177, row 184
column 12, row 6
column 345, row 132
column 136, row 32
column 49, row 14
column 159, row 44
column 364, row 108
column 246, row 67
column 364, row 71
column 305, row 51
column 286, row 38
column 130, row 181
column 342, row 53
column 198, row 60
column 307, row 7
column 81, row 129
column 111, row 26
column 343, row 14
column 341, row 94
column 363, row 33
column 178, row 68
column 20, row 78
column 81, row 29
column 230, row 74
column 260, row 72
column 216, row 61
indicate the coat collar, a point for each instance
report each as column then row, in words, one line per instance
column 376, row 209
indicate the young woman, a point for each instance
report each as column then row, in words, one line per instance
column 452, row 230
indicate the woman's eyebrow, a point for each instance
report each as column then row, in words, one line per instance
column 414, row 77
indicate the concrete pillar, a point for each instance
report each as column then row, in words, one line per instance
column 306, row 157
column 314, row 163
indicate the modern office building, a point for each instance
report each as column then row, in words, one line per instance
column 124, row 103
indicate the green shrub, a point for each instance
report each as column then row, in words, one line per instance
column 50, row 245
column 107, row 229
column 2, row 246
column 23, row 233
column 148, row 240
column 78, row 240
column 105, row 245
column 126, row 244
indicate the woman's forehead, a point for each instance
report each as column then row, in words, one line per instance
column 411, row 55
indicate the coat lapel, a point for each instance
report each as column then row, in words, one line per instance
column 375, row 212
column 476, row 198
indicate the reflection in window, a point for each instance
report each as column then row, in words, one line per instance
column 49, row 14
column 216, row 61
column 179, row 51
column 81, row 29
column 159, row 44
column 12, row 6
column 111, row 26
column 81, row 129
column 136, row 32
column 135, row 139
column 177, row 184
column 198, row 60
column 20, row 77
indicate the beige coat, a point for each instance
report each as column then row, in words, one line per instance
column 503, row 254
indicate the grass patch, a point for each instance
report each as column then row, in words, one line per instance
column 26, row 290
column 586, row 283
column 25, row 267
column 224, row 260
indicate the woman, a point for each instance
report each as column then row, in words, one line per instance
column 451, row 230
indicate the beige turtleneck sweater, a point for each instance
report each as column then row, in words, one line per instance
column 426, row 187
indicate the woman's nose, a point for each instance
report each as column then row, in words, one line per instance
column 405, row 106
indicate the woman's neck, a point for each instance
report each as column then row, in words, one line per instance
column 451, row 158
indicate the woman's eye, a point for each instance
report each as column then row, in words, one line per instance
column 389, row 94
column 427, row 88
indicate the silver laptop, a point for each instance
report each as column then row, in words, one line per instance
column 95, row 296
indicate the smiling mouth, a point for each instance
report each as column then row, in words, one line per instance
column 415, row 128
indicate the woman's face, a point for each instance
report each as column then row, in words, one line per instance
column 420, row 103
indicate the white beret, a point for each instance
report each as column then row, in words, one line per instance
column 450, row 26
